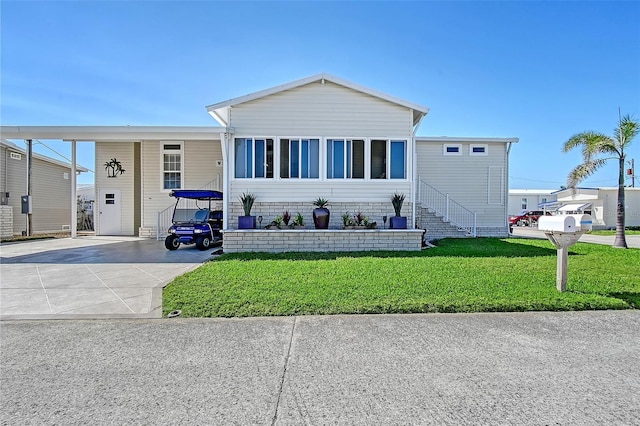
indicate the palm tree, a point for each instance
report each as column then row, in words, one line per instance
column 597, row 149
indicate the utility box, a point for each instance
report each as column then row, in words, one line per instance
column 25, row 202
column 569, row 223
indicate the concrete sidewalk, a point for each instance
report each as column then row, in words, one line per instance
column 534, row 368
column 89, row 277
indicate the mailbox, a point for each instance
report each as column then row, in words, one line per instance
column 564, row 231
column 569, row 223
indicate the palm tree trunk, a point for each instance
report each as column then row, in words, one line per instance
column 620, row 241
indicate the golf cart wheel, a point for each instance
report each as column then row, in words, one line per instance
column 203, row 243
column 172, row 242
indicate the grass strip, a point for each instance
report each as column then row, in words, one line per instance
column 466, row 275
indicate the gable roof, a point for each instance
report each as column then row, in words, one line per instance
column 13, row 147
column 218, row 110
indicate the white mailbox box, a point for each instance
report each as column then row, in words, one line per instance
column 564, row 231
column 569, row 223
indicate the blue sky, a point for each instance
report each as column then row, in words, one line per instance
column 540, row 71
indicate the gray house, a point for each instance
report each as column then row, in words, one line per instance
column 51, row 191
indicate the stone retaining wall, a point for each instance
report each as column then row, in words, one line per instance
column 6, row 221
column 330, row 240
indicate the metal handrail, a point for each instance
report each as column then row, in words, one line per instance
column 165, row 216
column 450, row 210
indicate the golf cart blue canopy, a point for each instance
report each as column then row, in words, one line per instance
column 196, row 194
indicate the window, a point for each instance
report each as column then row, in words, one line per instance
column 392, row 153
column 523, row 204
column 451, row 149
column 345, row 158
column 299, row 158
column 253, row 158
column 478, row 150
column 398, row 162
column 172, row 165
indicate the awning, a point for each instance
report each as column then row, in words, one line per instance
column 549, row 205
column 574, row 207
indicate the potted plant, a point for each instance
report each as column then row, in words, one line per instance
column 397, row 221
column 247, row 221
column 298, row 221
column 347, row 221
column 321, row 214
column 275, row 223
column 286, row 217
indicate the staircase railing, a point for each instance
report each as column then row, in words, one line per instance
column 450, row 210
column 165, row 216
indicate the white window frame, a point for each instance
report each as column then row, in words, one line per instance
column 164, row 151
column 276, row 150
column 299, row 139
column 387, row 160
column 485, row 148
column 452, row 145
column 524, row 204
column 367, row 153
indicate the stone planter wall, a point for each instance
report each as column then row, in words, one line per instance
column 6, row 221
column 328, row 240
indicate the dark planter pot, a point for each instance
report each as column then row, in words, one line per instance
column 246, row 222
column 398, row 222
column 321, row 218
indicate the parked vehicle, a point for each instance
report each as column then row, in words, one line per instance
column 193, row 221
column 527, row 218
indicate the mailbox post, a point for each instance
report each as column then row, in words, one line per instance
column 564, row 231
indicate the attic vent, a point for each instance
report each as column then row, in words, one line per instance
column 16, row 156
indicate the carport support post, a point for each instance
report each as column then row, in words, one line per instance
column 74, row 202
column 29, row 185
column 561, row 272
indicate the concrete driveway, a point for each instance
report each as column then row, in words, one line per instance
column 89, row 277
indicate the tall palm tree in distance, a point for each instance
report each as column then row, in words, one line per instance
column 597, row 149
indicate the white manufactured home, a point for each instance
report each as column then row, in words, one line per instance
column 320, row 136
column 531, row 199
column 601, row 204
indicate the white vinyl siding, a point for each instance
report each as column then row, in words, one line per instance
column 324, row 110
column 124, row 153
column 200, row 168
column 470, row 180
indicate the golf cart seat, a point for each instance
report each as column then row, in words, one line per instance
column 202, row 215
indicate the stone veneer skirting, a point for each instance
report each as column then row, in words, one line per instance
column 6, row 221
column 329, row 240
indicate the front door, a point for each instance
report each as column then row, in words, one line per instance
column 110, row 220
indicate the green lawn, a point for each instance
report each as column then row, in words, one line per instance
column 613, row 232
column 467, row 275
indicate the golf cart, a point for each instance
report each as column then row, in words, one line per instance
column 194, row 221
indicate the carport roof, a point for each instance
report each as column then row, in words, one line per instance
column 112, row 133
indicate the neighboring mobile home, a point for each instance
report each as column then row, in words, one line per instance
column 316, row 137
column 51, row 192
column 531, row 199
column 601, row 204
